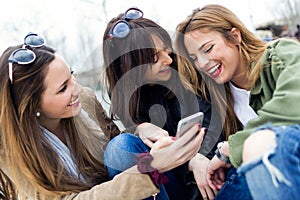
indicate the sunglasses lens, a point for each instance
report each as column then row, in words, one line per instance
column 121, row 30
column 34, row 40
column 23, row 56
column 133, row 14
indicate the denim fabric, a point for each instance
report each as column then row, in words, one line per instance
column 234, row 188
column 120, row 155
column 281, row 180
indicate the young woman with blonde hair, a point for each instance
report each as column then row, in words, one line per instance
column 263, row 77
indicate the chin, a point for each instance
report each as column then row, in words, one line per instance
column 76, row 111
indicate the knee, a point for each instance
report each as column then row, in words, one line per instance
column 257, row 144
column 120, row 142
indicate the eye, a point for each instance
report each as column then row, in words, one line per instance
column 64, row 88
column 208, row 49
column 156, row 57
column 193, row 58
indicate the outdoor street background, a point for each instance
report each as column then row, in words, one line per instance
column 75, row 27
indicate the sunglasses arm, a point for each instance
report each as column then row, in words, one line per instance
column 10, row 71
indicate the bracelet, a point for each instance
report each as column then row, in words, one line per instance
column 221, row 156
column 144, row 166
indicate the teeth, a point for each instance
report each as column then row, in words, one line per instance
column 162, row 70
column 73, row 102
column 212, row 70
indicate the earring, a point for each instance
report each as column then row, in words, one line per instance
column 38, row 114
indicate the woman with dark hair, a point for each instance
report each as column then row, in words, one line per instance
column 144, row 86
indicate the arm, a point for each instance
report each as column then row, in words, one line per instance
column 166, row 153
column 130, row 184
column 276, row 96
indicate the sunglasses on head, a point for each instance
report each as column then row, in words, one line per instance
column 24, row 56
column 121, row 28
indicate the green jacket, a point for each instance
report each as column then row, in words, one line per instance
column 276, row 95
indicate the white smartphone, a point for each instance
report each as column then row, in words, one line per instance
column 187, row 122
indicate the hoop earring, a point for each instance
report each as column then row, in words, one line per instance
column 38, row 114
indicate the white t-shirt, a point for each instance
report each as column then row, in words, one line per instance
column 242, row 109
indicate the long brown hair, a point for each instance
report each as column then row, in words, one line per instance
column 7, row 188
column 24, row 148
column 126, row 61
column 219, row 19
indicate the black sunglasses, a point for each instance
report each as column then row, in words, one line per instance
column 121, row 28
column 24, row 56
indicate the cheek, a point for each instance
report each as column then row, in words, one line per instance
column 53, row 106
column 148, row 74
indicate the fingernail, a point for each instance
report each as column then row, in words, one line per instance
column 173, row 138
column 205, row 129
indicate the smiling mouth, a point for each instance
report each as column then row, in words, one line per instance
column 164, row 70
column 214, row 71
column 74, row 102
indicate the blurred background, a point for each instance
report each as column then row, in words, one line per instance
column 75, row 27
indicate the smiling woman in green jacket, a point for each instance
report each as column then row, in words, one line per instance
column 264, row 77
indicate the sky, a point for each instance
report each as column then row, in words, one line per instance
column 62, row 17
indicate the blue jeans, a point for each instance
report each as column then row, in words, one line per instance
column 120, row 155
column 276, row 175
column 235, row 187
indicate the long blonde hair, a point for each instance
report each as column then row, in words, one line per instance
column 25, row 150
column 219, row 19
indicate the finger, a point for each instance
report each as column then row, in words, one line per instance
column 188, row 135
column 210, row 182
column 222, row 175
column 198, row 137
column 188, row 151
column 203, row 193
column 197, row 140
column 210, row 193
column 147, row 142
column 217, row 182
column 159, row 134
column 165, row 133
column 163, row 142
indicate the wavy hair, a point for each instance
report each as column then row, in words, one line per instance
column 23, row 146
column 219, row 19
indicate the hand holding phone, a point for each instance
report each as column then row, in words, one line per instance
column 187, row 122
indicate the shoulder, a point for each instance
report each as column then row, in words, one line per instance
column 281, row 53
column 282, row 45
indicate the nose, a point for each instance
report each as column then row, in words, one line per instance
column 167, row 60
column 77, row 88
column 202, row 61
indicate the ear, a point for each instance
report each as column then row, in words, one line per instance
column 235, row 32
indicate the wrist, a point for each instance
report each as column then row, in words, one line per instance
column 222, row 152
column 144, row 167
column 190, row 165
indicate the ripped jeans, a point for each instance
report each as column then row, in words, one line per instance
column 276, row 175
